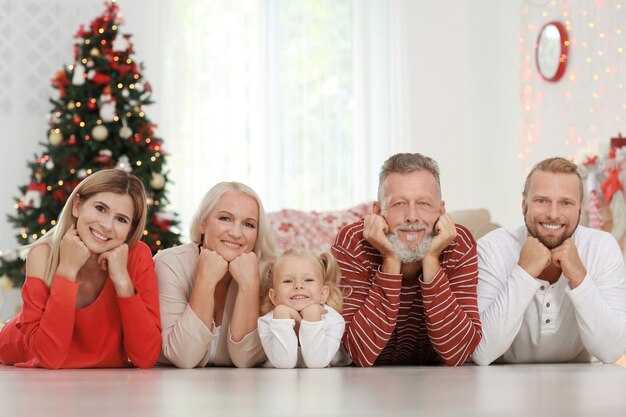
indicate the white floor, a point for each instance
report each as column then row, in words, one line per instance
column 512, row 390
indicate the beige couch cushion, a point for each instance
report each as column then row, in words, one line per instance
column 478, row 221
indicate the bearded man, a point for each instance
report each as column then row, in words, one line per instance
column 409, row 274
column 552, row 290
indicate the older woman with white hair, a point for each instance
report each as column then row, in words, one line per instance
column 209, row 288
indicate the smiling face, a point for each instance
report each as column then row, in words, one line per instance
column 104, row 220
column 552, row 207
column 298, row 282
column 231, row 228
column 412, row 204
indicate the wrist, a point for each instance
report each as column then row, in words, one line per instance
column 430, row 267
column 391, row 264
column 575, row 281
column 123, row 287
column 66, row 272
column 248, row 289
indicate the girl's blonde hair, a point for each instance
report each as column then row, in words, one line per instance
column 328, row 268
column 264, row 247
column 107, row 180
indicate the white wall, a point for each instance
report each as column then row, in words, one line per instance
column 464, row 87
column 465, row 99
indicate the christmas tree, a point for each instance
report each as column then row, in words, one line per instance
column 97, row 122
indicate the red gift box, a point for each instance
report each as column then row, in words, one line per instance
column 618, row 142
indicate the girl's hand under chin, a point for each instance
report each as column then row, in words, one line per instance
column 313, row 312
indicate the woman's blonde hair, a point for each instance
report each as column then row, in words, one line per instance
column 328, row 269
column 107, row 180
column 264, row 247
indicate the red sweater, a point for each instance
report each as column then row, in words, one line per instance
column 391, row 321
column 51, row 332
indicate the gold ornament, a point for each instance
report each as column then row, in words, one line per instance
column 55, row 137
column 157, row 182
column 94, row 52
column 71, row 105
column 125, row 132
column 99, row 133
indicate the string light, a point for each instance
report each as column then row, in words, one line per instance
column 582, row 103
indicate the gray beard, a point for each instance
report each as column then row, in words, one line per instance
column 407, row 254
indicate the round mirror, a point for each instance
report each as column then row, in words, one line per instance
column 551, row 51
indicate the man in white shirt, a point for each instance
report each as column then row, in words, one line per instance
column 551, row 290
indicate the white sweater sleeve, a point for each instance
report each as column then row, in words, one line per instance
column 503, row 297
column 600, row 304
column 279, row 340
column 320, row 341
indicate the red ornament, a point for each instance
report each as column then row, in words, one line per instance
column 77, row 119
column 60, row 195
column 105, row 158
column 41, row 219
column 91, row 105
column 60, row 81
column 72, row 140
column 80, row 32
column 69, row 162
column 98, row 77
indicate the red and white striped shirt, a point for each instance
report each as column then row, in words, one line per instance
column 395, row 321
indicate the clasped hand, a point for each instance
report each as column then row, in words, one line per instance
column 244, row 269
column 74, row 254
column 312, row 312
column 535, row 257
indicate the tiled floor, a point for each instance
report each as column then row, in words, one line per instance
column 499, row 391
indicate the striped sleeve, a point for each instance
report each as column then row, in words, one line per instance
column 450, row 302
column 371, row 298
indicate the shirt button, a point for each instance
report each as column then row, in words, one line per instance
column 548, row 305
column 547, row 321
column 543, row 288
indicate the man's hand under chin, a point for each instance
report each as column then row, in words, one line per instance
column 444, row 232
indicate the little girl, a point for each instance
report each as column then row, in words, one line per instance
column 303, row 291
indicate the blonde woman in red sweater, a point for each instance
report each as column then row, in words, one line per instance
column 90, row 295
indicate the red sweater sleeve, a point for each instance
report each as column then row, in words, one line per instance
column 371, row 302
column 450, row 303
column 47, row 319
column 141, row 322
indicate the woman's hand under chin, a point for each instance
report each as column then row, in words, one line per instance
column 73, row 254
column 245, row 270
column 115, row 261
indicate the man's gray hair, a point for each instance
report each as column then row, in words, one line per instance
column 405, row 163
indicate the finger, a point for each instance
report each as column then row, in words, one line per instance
column 103, row 261
column 71, row 231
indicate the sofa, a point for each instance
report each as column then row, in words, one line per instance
column 315, row 231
